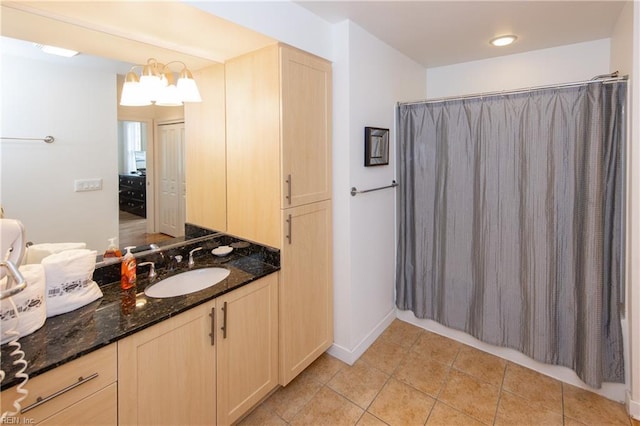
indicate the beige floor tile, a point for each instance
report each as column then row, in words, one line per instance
column 568, row 421
column 287, row 401
column 401, row 333
column 473, row 397
column 359, row 383
column 481, row 365
column 384, row 356
column 443, row 415
column 401, row 404
column 369, row 419
column 513, row 409
column 261, row 416
column 438, row 347
column 533, row 386
column 590, row 408
column 423, row 373
column 328, row 408
column 324, row 368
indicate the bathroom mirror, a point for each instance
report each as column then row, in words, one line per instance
column 78, row 105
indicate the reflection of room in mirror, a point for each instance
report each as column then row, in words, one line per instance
column 133, row 231
column 376, row 146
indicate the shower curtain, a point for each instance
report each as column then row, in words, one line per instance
column 510, row 221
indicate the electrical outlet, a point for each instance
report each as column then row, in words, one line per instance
column 81, row 185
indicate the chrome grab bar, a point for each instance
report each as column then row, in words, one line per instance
column 355, row 190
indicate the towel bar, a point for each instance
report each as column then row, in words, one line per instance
column 355, row 190
column 47, row 139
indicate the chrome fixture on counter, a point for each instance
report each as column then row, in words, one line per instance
column 152, row 269
column 191, row 262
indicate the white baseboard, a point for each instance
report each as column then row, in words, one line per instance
column 633, row 407
column 350, row 356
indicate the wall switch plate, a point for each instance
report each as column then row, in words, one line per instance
column 81, row 185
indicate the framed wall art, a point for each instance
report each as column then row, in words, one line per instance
column 376, row 146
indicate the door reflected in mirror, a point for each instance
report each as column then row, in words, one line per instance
column 136, row 192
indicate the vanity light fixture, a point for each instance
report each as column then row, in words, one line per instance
column 156, row 84
column 54, row 50
column 504, row 40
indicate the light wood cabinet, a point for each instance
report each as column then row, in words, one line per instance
column 208, row 365
column 247, row 347
column 205, row 157
column 166, row 373
column 101, row 408
column 82, row 391
column 306, row 293
column 279, row 178
column 278, row 138
column 306, row 127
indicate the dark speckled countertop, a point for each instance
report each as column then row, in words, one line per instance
column 119, row 313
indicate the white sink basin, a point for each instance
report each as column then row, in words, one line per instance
column 187, row 282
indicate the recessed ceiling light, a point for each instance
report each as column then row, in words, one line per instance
column 503, row 40
column 56, row 50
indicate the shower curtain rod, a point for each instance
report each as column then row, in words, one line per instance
column 609, row 80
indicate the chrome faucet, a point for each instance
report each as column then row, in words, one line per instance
column 152, row 269
column 191, row 262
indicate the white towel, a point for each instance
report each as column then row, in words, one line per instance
column 37, row 252
column 69, row 278
column 30, row 302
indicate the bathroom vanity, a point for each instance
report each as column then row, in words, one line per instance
column 201, row 358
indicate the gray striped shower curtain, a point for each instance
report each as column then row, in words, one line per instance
column 510, row 215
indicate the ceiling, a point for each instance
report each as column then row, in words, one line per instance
column 130, row 31
column 437, row 33
column 433, row 33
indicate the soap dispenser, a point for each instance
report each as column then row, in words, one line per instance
column 112, row 250
column 128, row 270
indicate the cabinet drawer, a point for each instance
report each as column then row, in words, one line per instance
column 136, row 182
column 89, row 373
column 101, row 408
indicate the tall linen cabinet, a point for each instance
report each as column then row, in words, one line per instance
column 279, row 186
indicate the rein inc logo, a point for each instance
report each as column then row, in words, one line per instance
column 11, row 420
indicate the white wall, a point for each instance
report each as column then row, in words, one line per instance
column 369, row 78
column 77, row 107
column 284, row 21
column 576, row 62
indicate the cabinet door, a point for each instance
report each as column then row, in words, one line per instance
column 247, row 347
column 306, row 291
column 166, row 373
column 306, row 128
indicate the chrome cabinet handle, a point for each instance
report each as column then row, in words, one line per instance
column 224, row 321
column 212, row 314
column 40, row 400
column 289, row 238
column 288, row 197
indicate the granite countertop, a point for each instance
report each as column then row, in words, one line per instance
column 120, row 313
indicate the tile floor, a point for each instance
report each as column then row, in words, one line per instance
column 410, row 376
